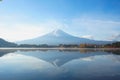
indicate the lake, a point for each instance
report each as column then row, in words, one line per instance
column 61, row 64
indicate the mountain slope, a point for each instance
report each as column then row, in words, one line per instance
column 4, row 43
column 59, row 37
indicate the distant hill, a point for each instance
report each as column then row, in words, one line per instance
column 4, row 43
column 60, row 37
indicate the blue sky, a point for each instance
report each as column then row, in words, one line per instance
column 94, row 19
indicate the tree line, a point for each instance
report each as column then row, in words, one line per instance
column 112, row 45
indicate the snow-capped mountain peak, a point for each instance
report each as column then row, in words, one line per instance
column 57, row 37
column 57, row 32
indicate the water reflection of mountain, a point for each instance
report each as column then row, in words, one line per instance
column 61, row 56
column 4, row 52
column 58, row 58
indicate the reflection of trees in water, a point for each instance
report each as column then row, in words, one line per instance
column 27, row 50
column 81, row 50
column 89, row 50
column 68, row 50
column 114, row 51
column 117, row 52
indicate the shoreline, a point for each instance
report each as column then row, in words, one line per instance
column 10, row 48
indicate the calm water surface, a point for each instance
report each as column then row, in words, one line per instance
column 59, row 64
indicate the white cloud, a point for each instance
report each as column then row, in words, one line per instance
column 87, row 58
column 115, row 37
column 95, row 24
column 88, row 36
column 20, row 33
column 12, row 28
column 101, row 29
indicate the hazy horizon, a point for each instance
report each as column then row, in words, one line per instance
column 93, row 19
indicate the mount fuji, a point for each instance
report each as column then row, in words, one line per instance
column 57, row 37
